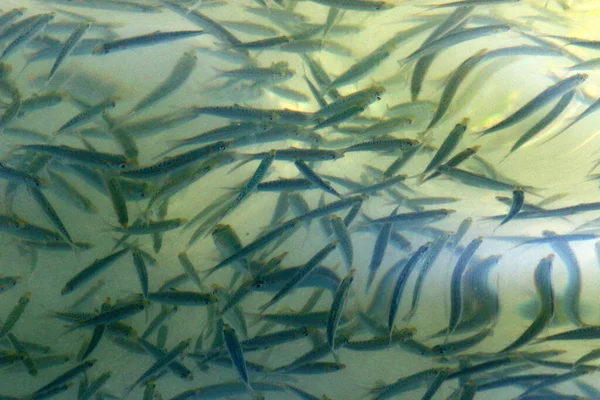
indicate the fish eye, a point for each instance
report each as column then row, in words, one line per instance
column 123, row 166
column 378, row 97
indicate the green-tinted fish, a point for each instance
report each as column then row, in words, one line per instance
column 517, row 203
column 311, row 176
column 475, row 180
column 543, row 285
column 50, row 212
column 70, row 193
column 86, row 115
column 95, row 386
column 356, row 5
column 174, row 163
column 236, row 354
column 142, row 227
column 257, row 244
column 401, row 280
column 455, row 160
column 162, row 363
column 343, row 236
column 182, row 298
column 190, row 270
column 149, row 39
column 68, row 47
column 80, row 156
column 557, row 90
column 65, row 377
column 361, row 97
column 455, row 38
column 543, row 123
column 302, row 273
column 7, row 282
column 23, row 354
column 36, row 26
column 92, row 270
column 180, row 73
column 403, row 384
column 337, row 308
column 456, row 283
column 113, row 314
column 142, row 271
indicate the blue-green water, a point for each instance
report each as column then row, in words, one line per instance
column 224, row 190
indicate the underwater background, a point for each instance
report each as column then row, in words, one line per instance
column 313, row 199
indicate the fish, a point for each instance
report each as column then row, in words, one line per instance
column 301, row 274
column 454, row 38
column 86, row 115
column 80, row 156
column 588, row 332
column 92, row 270
column 209, row 25
column 68, row 47
column 220, row 390
column 456, row 282
column 175, row 163
column 8, row 282
column 337, row 308
column 19, row 176
column 381, row 242
column 471, row 3
column 401, row 280
column 178, row 76
column 340, row 229
column 65, row 377
column 37, row 24
column 311, row 176
column 176, row 367
column 49, row 212
column 450, row 348
column 162, row 363
column 356, row 5
column 419, row 217
column 545, row 314
column 361, row 68
column 548, row 119
column 436, row 383
column 453, row 84
column 149, row 39
column 236, row 354
column 361, row 97
column 113, row 314
column 473, row 179
column 430, row 257
column 96, row 385
column 403, row 384
column 447, row 146
column 557, row 90
column 182, row 298
column 142, row 271
column 23, row 354
column 70, row 193
column 517, row 203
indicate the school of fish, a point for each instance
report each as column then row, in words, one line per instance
column 318, row 212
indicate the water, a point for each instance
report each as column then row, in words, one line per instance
column 502, row 301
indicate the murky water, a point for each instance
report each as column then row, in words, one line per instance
column 225, row 208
